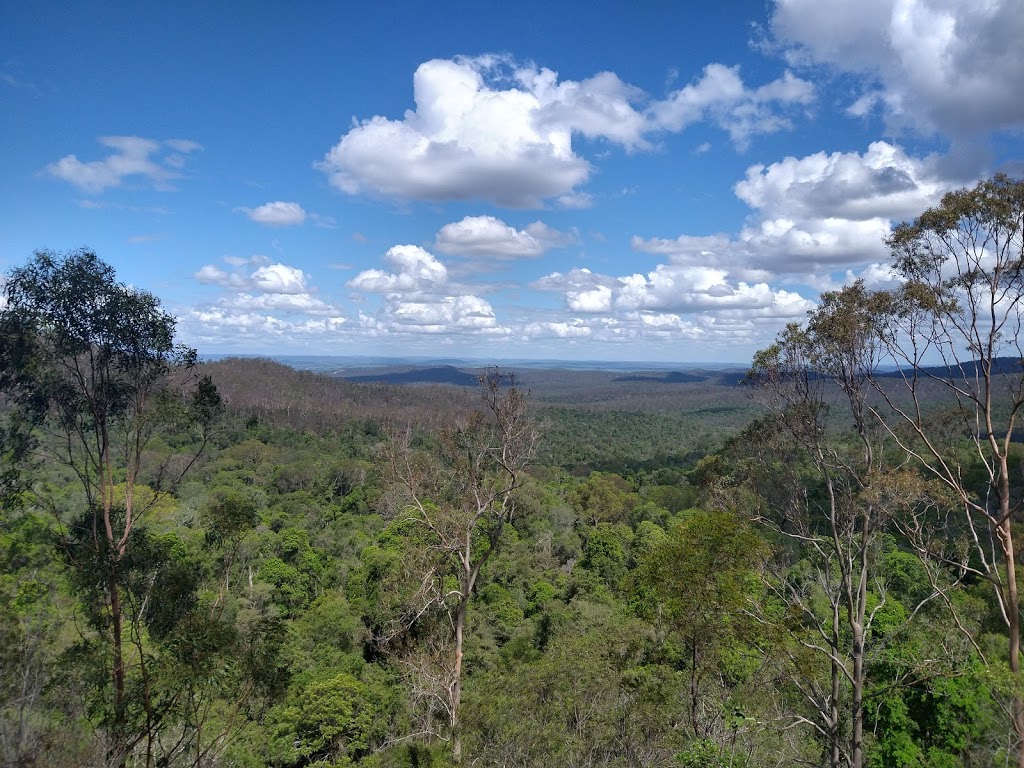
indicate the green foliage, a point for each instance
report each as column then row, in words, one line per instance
column 603, row 498
column 229, row 513
column 328, row 635
column 331, row 720
column 605, row 552
column 704, row 573
column 501, row 609
column 708, row 754
column 291, row 585
column 934, row 724
column 541, row 594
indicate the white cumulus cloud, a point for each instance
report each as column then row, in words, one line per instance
column 263, row 304
column 269, row 288
column 487, row 128
column 812, row 214
column 278, row 302
column 417, row 297
column 280, row 278
column 415, row 269
column 596, row 300
column 952, row 66
column 671, row 288
column 883, row 183
column 678, row 288
column 446, row 315
column 584, row 290
column 465, row 139
column 276, row 214
column 572, row 329
column 489, row 236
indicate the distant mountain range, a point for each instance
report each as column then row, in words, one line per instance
column 452, row 375
column 464, row 372
column 439, row 374
column 673, row 377
column 1001, row 366
column 354, row 365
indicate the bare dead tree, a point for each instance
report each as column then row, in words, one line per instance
column 460, row 498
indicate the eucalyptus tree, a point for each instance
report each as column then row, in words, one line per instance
column 817, row 380
column 90, row 370
column 457, row 500
column 698, row 581
column 954, row 327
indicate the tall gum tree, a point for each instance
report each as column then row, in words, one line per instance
column 809, row 371
column 820, row 382
column 91, row 370
column 459, row 499
column 954, row 326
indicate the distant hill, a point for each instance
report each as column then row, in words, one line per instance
column 272, row 391
column 673, row 377
column 591, row 419
column 441, row 374
column 723, row 378
column 351, row 365
column 1001, row 366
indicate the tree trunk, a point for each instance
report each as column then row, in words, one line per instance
column 835, row 759
column 460, row 623
column 694, row 690
column 858, row 631
column 1005, row 533
column 117, row 749
column 857, row 699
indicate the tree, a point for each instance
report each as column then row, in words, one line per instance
column 960, row 306
column 835, row 516
column 953, row 330
column 91, row 371
column 459, row 498
column 700, row 580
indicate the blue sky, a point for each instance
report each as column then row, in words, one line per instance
column 604, row 180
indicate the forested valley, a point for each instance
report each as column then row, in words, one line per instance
column 238, row 564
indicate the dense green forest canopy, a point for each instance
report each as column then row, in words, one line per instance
column 240, row 564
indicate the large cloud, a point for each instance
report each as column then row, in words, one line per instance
column 228, row 327
column 572, row 329
column 953, row 66
column 443, row 315
column 416, row 270
column 262, row 304
column 269, row 278
column 584, row 290
column 486, row 128
column 270, row 287
column 814, row 214
column 466, row 139
column 671, row 288
column 818, row 221
column 418, row 298
column 738, row 329
column 303, row 303
column 676, row 288
column 489, row 236
column 133, row 158
column 882, row 183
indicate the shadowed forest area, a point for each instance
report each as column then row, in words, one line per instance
column 236, row 563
